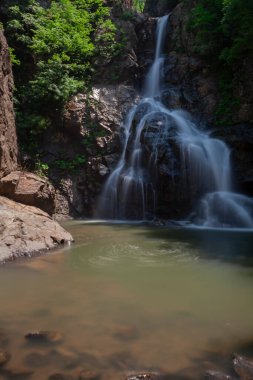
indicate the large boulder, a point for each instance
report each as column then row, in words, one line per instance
column 8, row 139
column 25, row 230
column 29, row 189
column 105, row 107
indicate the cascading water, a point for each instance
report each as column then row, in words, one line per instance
column 130, row 191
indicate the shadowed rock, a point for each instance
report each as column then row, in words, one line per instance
column 243, row 367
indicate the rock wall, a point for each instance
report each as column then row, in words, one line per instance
column 159, row 7
column 24, row 230
column 192, row 84
column 8, row 139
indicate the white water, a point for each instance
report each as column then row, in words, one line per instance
column 130, row 191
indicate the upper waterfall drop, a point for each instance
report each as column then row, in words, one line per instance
column 153, row 78
column 130, row 191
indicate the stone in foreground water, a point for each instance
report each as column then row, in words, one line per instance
column 216, row 375
column 4, row 358
column 44, row 336
column 243, row 367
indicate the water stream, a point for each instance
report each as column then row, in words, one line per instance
column 130, row 191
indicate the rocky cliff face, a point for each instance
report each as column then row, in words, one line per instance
column 24, row 230
column 8, row 139
column 189, row 84
column 192, row 84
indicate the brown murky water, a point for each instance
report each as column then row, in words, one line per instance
column 128, row 299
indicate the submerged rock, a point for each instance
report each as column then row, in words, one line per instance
column 89, row 375
column 4, row 358
column 44, row 336
column 25, row 230
column 19, row 373
column 243, row 367
column 216, row 375
column 146, row 376
column 37, row 360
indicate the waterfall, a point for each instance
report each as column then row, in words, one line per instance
column 130, row 191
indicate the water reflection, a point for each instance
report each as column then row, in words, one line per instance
column 235, row 246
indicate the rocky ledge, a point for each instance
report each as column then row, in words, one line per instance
column 26, row 230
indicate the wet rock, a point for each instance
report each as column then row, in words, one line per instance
column 89, row 360
column 216, row 375
column 106, row 107
column 243, row 367
column 89, row 375
column 26, row 230
column 29, row 189
column 4, row 358
column 8, row 140
column 37, row 360
column 146, row 376
column 44, row 336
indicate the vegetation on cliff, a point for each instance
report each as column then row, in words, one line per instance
column 223, row 36
column 58, row 46
column 56, row 49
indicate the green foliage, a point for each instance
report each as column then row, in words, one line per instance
column 69, row 165
column 228, row 102
column 223, row 28
column 139, row 5
column 56, row 50
column 237, row 27
column 223, row 35
column 41, row 168
column 206, row 22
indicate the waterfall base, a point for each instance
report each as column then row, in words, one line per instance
column 224, row 209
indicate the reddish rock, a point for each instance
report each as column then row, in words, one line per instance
column 89, row 375
column 25, row 230
column 8, row 139
column 29, row 189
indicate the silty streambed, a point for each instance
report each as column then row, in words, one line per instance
column 129, row 298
